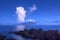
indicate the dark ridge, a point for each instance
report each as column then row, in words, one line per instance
column 2, row 37
column 39, row 34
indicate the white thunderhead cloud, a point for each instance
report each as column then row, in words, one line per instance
column 21, row 14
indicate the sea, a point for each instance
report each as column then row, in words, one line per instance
column 6, row 29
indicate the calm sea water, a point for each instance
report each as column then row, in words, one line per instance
column 6, row 29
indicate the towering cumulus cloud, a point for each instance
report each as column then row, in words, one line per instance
column 20, row 11
column 20, row 14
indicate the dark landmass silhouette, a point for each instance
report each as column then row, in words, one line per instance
column 39, row 34
column 5, row 38
column 2, row 37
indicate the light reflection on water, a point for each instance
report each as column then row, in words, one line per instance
column 5, row 31
column 20, row 27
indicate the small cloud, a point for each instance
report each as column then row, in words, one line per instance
column 13, row 15
column 56, row 21
column 30, row 20
column 33, row 8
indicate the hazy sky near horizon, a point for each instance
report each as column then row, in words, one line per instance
column 48, row 11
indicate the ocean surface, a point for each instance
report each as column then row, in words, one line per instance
column 4, row 30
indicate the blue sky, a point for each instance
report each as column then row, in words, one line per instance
column 48, row 11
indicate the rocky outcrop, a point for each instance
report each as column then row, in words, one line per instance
column 39, row 34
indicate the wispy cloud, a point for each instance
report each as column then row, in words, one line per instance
column 31, row 20
column 56, row 21
column 32, row 8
